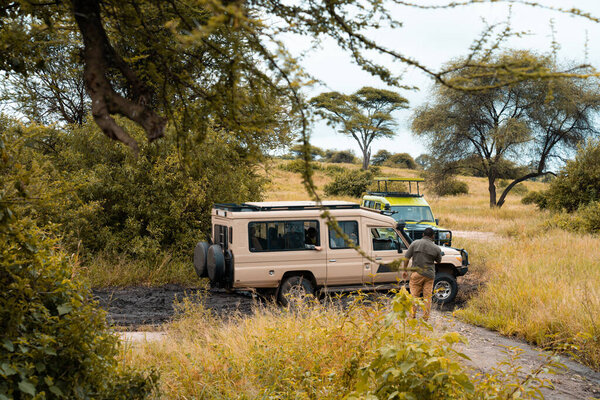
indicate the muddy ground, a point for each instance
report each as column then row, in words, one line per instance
column 134, row 307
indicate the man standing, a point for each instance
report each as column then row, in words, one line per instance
column 425, row 253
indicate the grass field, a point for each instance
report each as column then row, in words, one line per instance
column 537, row 283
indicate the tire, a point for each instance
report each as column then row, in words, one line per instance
column 215, row 263
column 445, row 288
column 229, row 269
column 200, row 253
column 295, row 289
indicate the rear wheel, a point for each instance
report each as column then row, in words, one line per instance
column 215, row 263
column 445, row 288
column 295, row 289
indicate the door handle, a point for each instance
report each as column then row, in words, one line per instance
column 378, row 258
column 332, row 260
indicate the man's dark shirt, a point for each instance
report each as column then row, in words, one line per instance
column 424, row 254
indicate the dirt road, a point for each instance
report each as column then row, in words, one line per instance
column 133, row 308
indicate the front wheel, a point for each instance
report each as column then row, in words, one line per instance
column 295, row 289
column 445, row 288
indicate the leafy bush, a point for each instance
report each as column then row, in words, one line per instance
column 54, row 342
column 380, row 157
column 350, row 183
column 585, row 220
column 401, row 160
column 343, row 156
column 539, row 198
column 579, row 182
column 102, row 199
column 450, row 187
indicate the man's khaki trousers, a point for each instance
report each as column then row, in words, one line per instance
column 418, row 285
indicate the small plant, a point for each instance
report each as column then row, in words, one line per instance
column 349, row 183
column 450, row 187
column 539, row 198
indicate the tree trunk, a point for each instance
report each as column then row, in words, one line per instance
column 502, row 198
column 492, row 188
column 366, row 159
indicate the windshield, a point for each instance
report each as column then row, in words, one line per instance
column 412, row 213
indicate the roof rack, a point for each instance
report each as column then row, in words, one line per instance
column 244, row 207
column 387, row 193
column 395, row 194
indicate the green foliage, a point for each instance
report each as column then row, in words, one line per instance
column 579, row 182
column 150, row 209
column 339, row 157
column 535, row 120
column 380, row 157
column 450, row 187
column 365, row 115
column 315, row 152
column 350, row 183
column 585, row 220
column 54, row 341
column 401, row 160
column 414, row 365
column 539, row 198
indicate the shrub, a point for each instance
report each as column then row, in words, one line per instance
column 380, row 157
column 579, row 182
column 401, row 160
column 102, row 198
column 54, row 342
column 349, row 183
column 344, row 156
column 585, row 220
column 450, row 187
column 539, row 198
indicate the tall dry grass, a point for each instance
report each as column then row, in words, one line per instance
column 538, row 283
column 317, row 351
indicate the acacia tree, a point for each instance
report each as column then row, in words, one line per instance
column 187, row 61
column 365, row 115
column 532, row 122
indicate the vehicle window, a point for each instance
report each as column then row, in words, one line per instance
column 283, row 235
column 378, row 206
column 220, row 236
column 386, row 239
column 350, row 228
column 412, row 213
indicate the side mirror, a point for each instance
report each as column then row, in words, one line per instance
column 437, row 221
column 400, row 225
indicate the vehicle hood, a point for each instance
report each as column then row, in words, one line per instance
column 449, row 251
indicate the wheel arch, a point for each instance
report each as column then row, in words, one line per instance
column 446, row 268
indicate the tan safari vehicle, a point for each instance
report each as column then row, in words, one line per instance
column 287, row 248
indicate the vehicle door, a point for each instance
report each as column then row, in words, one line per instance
column 344, row 264
column 385, row 245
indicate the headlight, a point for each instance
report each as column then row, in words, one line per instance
column 444, row 235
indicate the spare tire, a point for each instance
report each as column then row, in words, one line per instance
column 229, row 265
column 215, row 263
column 200, row 253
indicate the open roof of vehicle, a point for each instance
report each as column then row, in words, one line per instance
column 285, row 205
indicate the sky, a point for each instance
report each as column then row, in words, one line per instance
column 434, row 37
